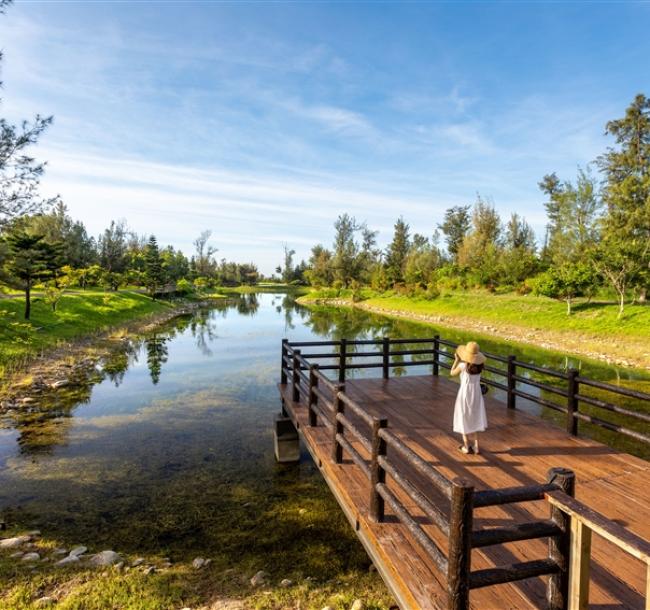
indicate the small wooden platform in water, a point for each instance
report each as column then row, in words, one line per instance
column 518, row 449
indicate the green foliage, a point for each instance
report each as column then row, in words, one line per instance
column 565, row 282
column 184, row 286
column 455, row 226
column 623, row 255
column 154, row 274
column 397, row 252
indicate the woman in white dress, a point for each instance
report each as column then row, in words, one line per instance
column 469, row 411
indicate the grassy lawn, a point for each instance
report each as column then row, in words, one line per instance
column 78, row 314
column 535, row 313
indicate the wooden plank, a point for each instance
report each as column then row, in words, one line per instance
column 631, row 543
column 579, row 568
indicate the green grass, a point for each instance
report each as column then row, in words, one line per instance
column 537, row 313
column 78, row 314
column 594, row 327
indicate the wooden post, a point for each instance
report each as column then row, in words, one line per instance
column 337, row 450
column 512, row 384
column 386, row 357
column 283, row 364
column 460, row 545
column 572, row 402
column 436, row 356
column 559, row 547
column 579, row 568
column 313, row 399
column 377, row 473
column 295, row 377
column 342, row 358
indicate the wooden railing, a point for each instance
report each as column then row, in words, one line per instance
column 389, row 465
column 584, row 522
column 506, row 373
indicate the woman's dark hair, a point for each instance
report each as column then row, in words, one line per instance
column 474, row 369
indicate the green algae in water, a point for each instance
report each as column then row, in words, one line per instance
column 165, row 450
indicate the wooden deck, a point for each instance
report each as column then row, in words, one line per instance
column 518, row 449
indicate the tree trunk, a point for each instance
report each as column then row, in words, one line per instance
column 643, row 295
column 568, row 306
column 28, row 300
column 621, row 304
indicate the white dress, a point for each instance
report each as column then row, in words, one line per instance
column 469, row 411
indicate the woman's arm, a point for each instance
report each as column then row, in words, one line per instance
column 455, row 368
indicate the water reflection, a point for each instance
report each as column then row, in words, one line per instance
column 157, row 355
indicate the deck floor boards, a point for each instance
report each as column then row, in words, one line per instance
column 517, row 449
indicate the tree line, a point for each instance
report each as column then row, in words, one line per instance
column 55, row 252
column 597, row 236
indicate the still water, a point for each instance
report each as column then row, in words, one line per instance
column 167, row 448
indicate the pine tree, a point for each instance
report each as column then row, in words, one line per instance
column 30, row 260
column 397, row 252
column 154, row 274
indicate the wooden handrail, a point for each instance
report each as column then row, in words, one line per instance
column 571, row 524
column 345, row 358
column 612, row 531
column 584, row 522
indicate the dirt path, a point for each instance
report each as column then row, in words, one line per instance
column 612, row 350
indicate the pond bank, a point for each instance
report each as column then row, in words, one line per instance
column 631, row 352
column 58, row 367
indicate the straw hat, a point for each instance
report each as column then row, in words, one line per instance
column 470, row 353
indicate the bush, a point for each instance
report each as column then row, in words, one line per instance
column 432, row 292
column 184, row 286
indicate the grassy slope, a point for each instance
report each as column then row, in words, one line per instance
column 593, row 330
column 77, row 315
column 536, row 313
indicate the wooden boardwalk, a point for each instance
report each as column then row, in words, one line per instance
column 517, row 450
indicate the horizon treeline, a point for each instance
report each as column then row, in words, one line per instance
column 597, row 237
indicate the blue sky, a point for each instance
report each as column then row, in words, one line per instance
column 264, row 121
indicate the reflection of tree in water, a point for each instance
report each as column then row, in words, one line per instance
column 291, row 308
column 157, row 354
column 116, row 365
column 248, row 304
column 204, row 330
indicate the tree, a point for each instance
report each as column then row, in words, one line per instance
column 113, row 248
column 346, row 249
column 573, row 212
column 77, row 248
column 153, row 273
column 454, row 227
column 20, row 173
column 28, row 263
column 422, row 261
column 566, row 282
column 397, row 252
column 519, row 234
column 482, row 248
column 204, row 259
column 320, row 271
column 624, row 251
column 54, row 290
column 287, row 268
